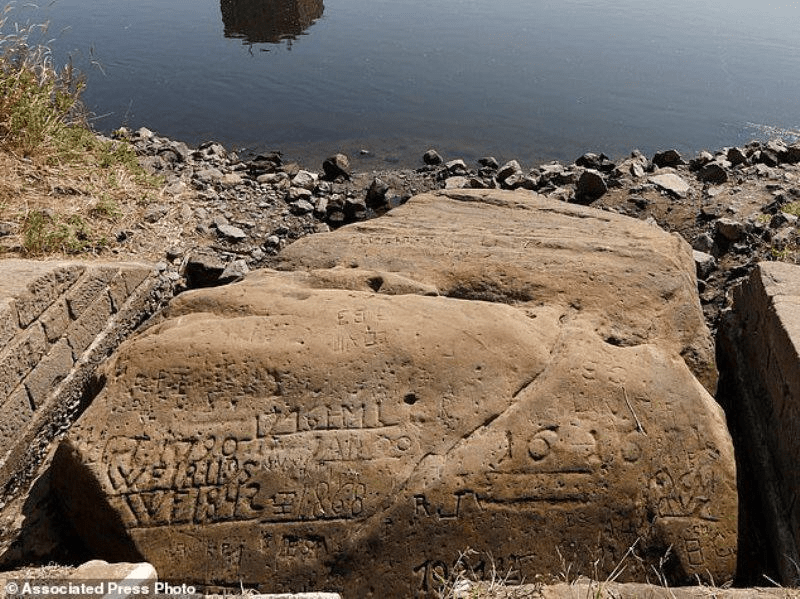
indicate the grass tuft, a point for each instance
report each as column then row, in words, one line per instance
column 63, row 187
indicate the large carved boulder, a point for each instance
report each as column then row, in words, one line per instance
column 349, row 430
column 632, row 281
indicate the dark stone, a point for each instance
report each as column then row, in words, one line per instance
column 729, row 229
column 736, row 156
column 591, row 185
column 793, row 153
column 509, row 168
column 598, row 162
column 765, row 157
column 489, row 162
column 713, row 172
column 203, row 268
column 355, row 209
column 668, row 158
column 431, row 157
column 456, row 167
column 376, row 194
column 336, row 166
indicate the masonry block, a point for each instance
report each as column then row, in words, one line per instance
column 82, row 332
column 19, row 358
column 17, row 412
column 53, row 369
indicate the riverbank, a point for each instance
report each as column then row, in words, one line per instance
column 199, row 212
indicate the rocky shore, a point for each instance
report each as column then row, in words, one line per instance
column 506, row 349
column 224, row 213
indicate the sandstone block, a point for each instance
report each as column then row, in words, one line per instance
column 9, row 321
column 55, row 320
column 51, row 370
column 17, row 412
column 286, row 435
column 37, row 303
column 633, row 282
column 86, row 291
column 761, row 343
column 19, row 358
column 44, row 290
column 83, row 331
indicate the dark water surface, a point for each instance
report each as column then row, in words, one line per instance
column 526, row 79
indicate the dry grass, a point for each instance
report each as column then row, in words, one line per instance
column 63, row 190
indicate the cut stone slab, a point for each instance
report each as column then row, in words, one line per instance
column 634, row 282
column 760, row 341
column 298, row 430
column 58, row 320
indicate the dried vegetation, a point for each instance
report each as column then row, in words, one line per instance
column 63, row 189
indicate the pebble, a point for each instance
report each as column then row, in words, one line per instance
column 230, row 232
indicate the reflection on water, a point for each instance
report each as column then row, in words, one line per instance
column 268, row 21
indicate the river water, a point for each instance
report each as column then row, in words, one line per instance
column 528, row 79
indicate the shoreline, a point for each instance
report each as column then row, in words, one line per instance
column 734, row 206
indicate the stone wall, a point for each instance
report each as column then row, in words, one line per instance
column 58, row 320
column 759, row 356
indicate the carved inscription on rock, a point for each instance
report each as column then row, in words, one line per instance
column 296, row 438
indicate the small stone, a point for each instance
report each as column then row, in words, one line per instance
column 376, row 194
column 155, row 213
column 144, row 133
column 765, row 157
column 231, row 233
column 272, row 241
column 431, row 157
column 729, row 229
column 591, row 185
column 231, row 180
column 703, row 243
column 296, row 194
column 355, row 209
column 305, row 180
column 672, row 183
column 668, row 158
column 321, row 207
column 456, row 167
column 257, row 254
column 489, row 162
column 203, row 268
column 508, row 169
column 713, row 172
column 302, row 207
column 174, row 253
column 6, row 228
column 520, row 181
column 762, row 170
column 705, row 263
column 457, row 182
column 598, row 162
column 272, row 178
column 175, row 188
column 699, row 161
column 336, row 166
column 736, row 156
column 235, row 271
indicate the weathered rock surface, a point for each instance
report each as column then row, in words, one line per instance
column 347, row 429
column 57, row 321
column 634, row 282
column 760, row 340
column 612, row 590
